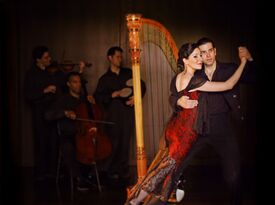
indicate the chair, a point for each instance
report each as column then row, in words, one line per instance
column 59, row 163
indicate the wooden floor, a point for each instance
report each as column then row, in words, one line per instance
column 204, row 186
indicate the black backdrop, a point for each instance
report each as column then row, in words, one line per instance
column 85, row 28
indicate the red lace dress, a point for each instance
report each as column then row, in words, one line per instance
column 179, row 131
column 180, row 136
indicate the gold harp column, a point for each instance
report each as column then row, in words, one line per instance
column 134, row 24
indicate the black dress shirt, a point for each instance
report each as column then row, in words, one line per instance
column 110, row 82
column 65, row 126
column 222, row 102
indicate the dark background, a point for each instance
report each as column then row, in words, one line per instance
column 85, row 29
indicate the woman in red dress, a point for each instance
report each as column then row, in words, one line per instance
column 182, row 129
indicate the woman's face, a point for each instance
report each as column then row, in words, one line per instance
column 194, row 60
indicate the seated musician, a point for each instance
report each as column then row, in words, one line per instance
column 63, row 112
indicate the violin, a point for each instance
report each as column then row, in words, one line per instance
column 64, row 66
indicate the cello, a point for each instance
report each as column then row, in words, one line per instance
column 92, row 144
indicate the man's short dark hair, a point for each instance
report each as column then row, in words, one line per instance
column 72, row 74
column 205, row 40
column 38, row 52
column 112, row 50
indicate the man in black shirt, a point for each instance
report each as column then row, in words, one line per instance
column 109, row 93
column 41, row 88
column 63, row 112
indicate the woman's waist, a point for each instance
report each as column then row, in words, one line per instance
column 192, row 111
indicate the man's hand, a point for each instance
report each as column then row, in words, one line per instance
column 186, row 103
column 131, row 101
column 93, row 129
column 70, row 114
column 91, row 99
column 244, row 53
column 81, row 67
column 50, row 89
column 116, row 93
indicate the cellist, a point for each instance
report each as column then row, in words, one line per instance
column 63, row 112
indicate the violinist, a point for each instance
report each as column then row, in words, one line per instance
column 41, row 89
column 64, row 68
column 63, row 112
column 108, row 94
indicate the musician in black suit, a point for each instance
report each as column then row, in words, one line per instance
column 41, row 89
column 220, row 107
column 63, row 113
column 111, row 93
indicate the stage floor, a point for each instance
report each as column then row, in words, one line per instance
column 204, row 186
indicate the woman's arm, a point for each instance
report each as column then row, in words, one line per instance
column 210, row 86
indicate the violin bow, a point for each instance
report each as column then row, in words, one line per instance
column 95, row 121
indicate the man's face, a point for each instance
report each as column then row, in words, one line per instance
column 116, row 59
column 74, row 84
column 45, row 60
column 208, row 54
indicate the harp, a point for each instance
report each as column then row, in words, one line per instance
column 146, row 38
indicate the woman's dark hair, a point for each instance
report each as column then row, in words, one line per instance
column 184, row 52
column 111, row 51
column 38, row 52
